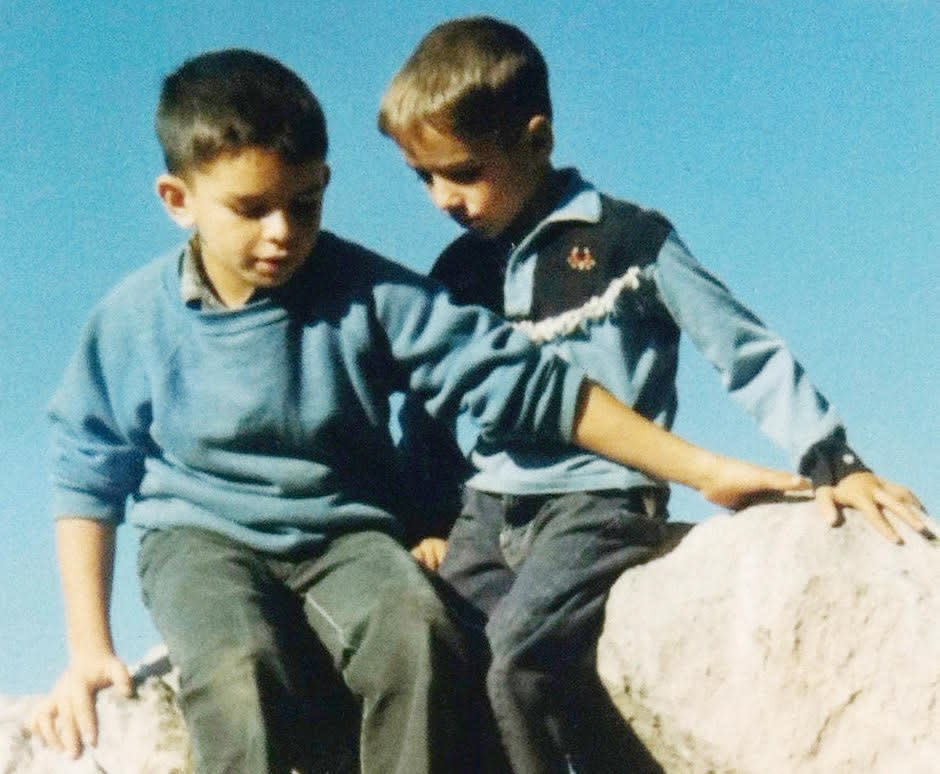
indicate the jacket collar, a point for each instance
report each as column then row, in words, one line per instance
column 579, row 201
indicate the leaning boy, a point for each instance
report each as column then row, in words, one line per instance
column 544, row 531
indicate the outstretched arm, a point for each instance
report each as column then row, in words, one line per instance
column 605, row 426
column 66, row 719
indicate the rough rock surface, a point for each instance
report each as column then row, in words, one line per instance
column 144, row 735
column 769, row 643
column 765, row 643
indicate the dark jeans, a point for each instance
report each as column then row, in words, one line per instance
column 259, row 641
column 538, row 569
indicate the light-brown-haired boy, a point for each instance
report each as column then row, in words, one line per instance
column 543, row 533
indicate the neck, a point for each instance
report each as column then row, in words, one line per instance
column 543, row 200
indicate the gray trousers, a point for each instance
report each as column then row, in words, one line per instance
column 260, row 642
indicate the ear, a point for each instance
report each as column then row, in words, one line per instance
column 540, row 137
column 327, row 174
column 174, row 193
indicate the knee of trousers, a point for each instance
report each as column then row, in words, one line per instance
column 524, row 666
column 233, row 684
column 409, row 633
column 415, row 611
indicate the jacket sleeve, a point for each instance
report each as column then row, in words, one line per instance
column 98, row 435
column 465, row 359
column 756, row 366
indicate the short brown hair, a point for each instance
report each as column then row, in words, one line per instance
column 476, row 78
column 224, row 101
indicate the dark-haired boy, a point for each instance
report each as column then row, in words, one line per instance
column 231, row 399
column 544, row 532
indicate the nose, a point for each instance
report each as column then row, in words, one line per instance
column 277, row 225
column 445, row 195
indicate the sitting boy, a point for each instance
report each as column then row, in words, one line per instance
column 232, row 400
column 543, row 532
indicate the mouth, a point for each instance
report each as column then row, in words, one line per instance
column 273, row 265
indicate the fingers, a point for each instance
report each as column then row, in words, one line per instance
column 54, row 723
column 903, row 494
column 43, row 725
column 85, row 722
column 67, row 720
column 892, row 500
column 876, row 518
column 875, row 499
column 430, row 552
column 423, row 555
column 825, row 504
column 440, row 551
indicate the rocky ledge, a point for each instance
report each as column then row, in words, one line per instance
column 770, row 643
column 763, row 643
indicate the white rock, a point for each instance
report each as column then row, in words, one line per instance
column 770, row 643
column 143, row 735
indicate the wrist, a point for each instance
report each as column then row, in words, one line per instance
column 89, row 647
column 829, row 461
column 704, row 469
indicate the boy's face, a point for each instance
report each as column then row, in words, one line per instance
column 256, row 217
column 484, row 186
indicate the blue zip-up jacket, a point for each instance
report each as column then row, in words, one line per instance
column 269, row 424
column 610, row 286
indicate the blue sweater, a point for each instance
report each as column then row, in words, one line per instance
column 270, row 423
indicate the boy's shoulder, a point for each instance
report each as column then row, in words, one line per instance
column 632, row 228
column 347, row 266
column 589, row 238
column 342, row 274
column 139, row 291
column 609, row 218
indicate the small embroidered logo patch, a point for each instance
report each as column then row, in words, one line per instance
column 580, row 258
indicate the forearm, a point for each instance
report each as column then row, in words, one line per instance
column 607, row 427
column 86, row 562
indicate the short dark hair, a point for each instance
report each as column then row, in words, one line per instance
column 476, row 78
column 224, row 101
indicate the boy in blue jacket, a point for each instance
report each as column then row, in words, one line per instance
column 544, row 531
column 231, row 399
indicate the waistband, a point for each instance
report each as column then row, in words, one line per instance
column 650, row 501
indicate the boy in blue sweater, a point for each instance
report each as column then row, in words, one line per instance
column 231, row 399
column 544, row 531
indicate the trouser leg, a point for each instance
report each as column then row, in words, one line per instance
column 224, row 620
column 543, row 634
column 399, row 650
column 475, row 569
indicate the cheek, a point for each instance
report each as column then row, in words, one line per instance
column 481, row 200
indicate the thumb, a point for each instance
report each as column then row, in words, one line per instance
column 121, row 679
column 789, row 482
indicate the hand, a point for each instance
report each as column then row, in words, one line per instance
column 874, row 498
column 66, row 719
column 735, row 484
column 430, row 552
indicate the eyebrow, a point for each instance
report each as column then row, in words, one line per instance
column 310, row 191
column 448, row 169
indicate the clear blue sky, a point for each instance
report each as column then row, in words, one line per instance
column 796, row 146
